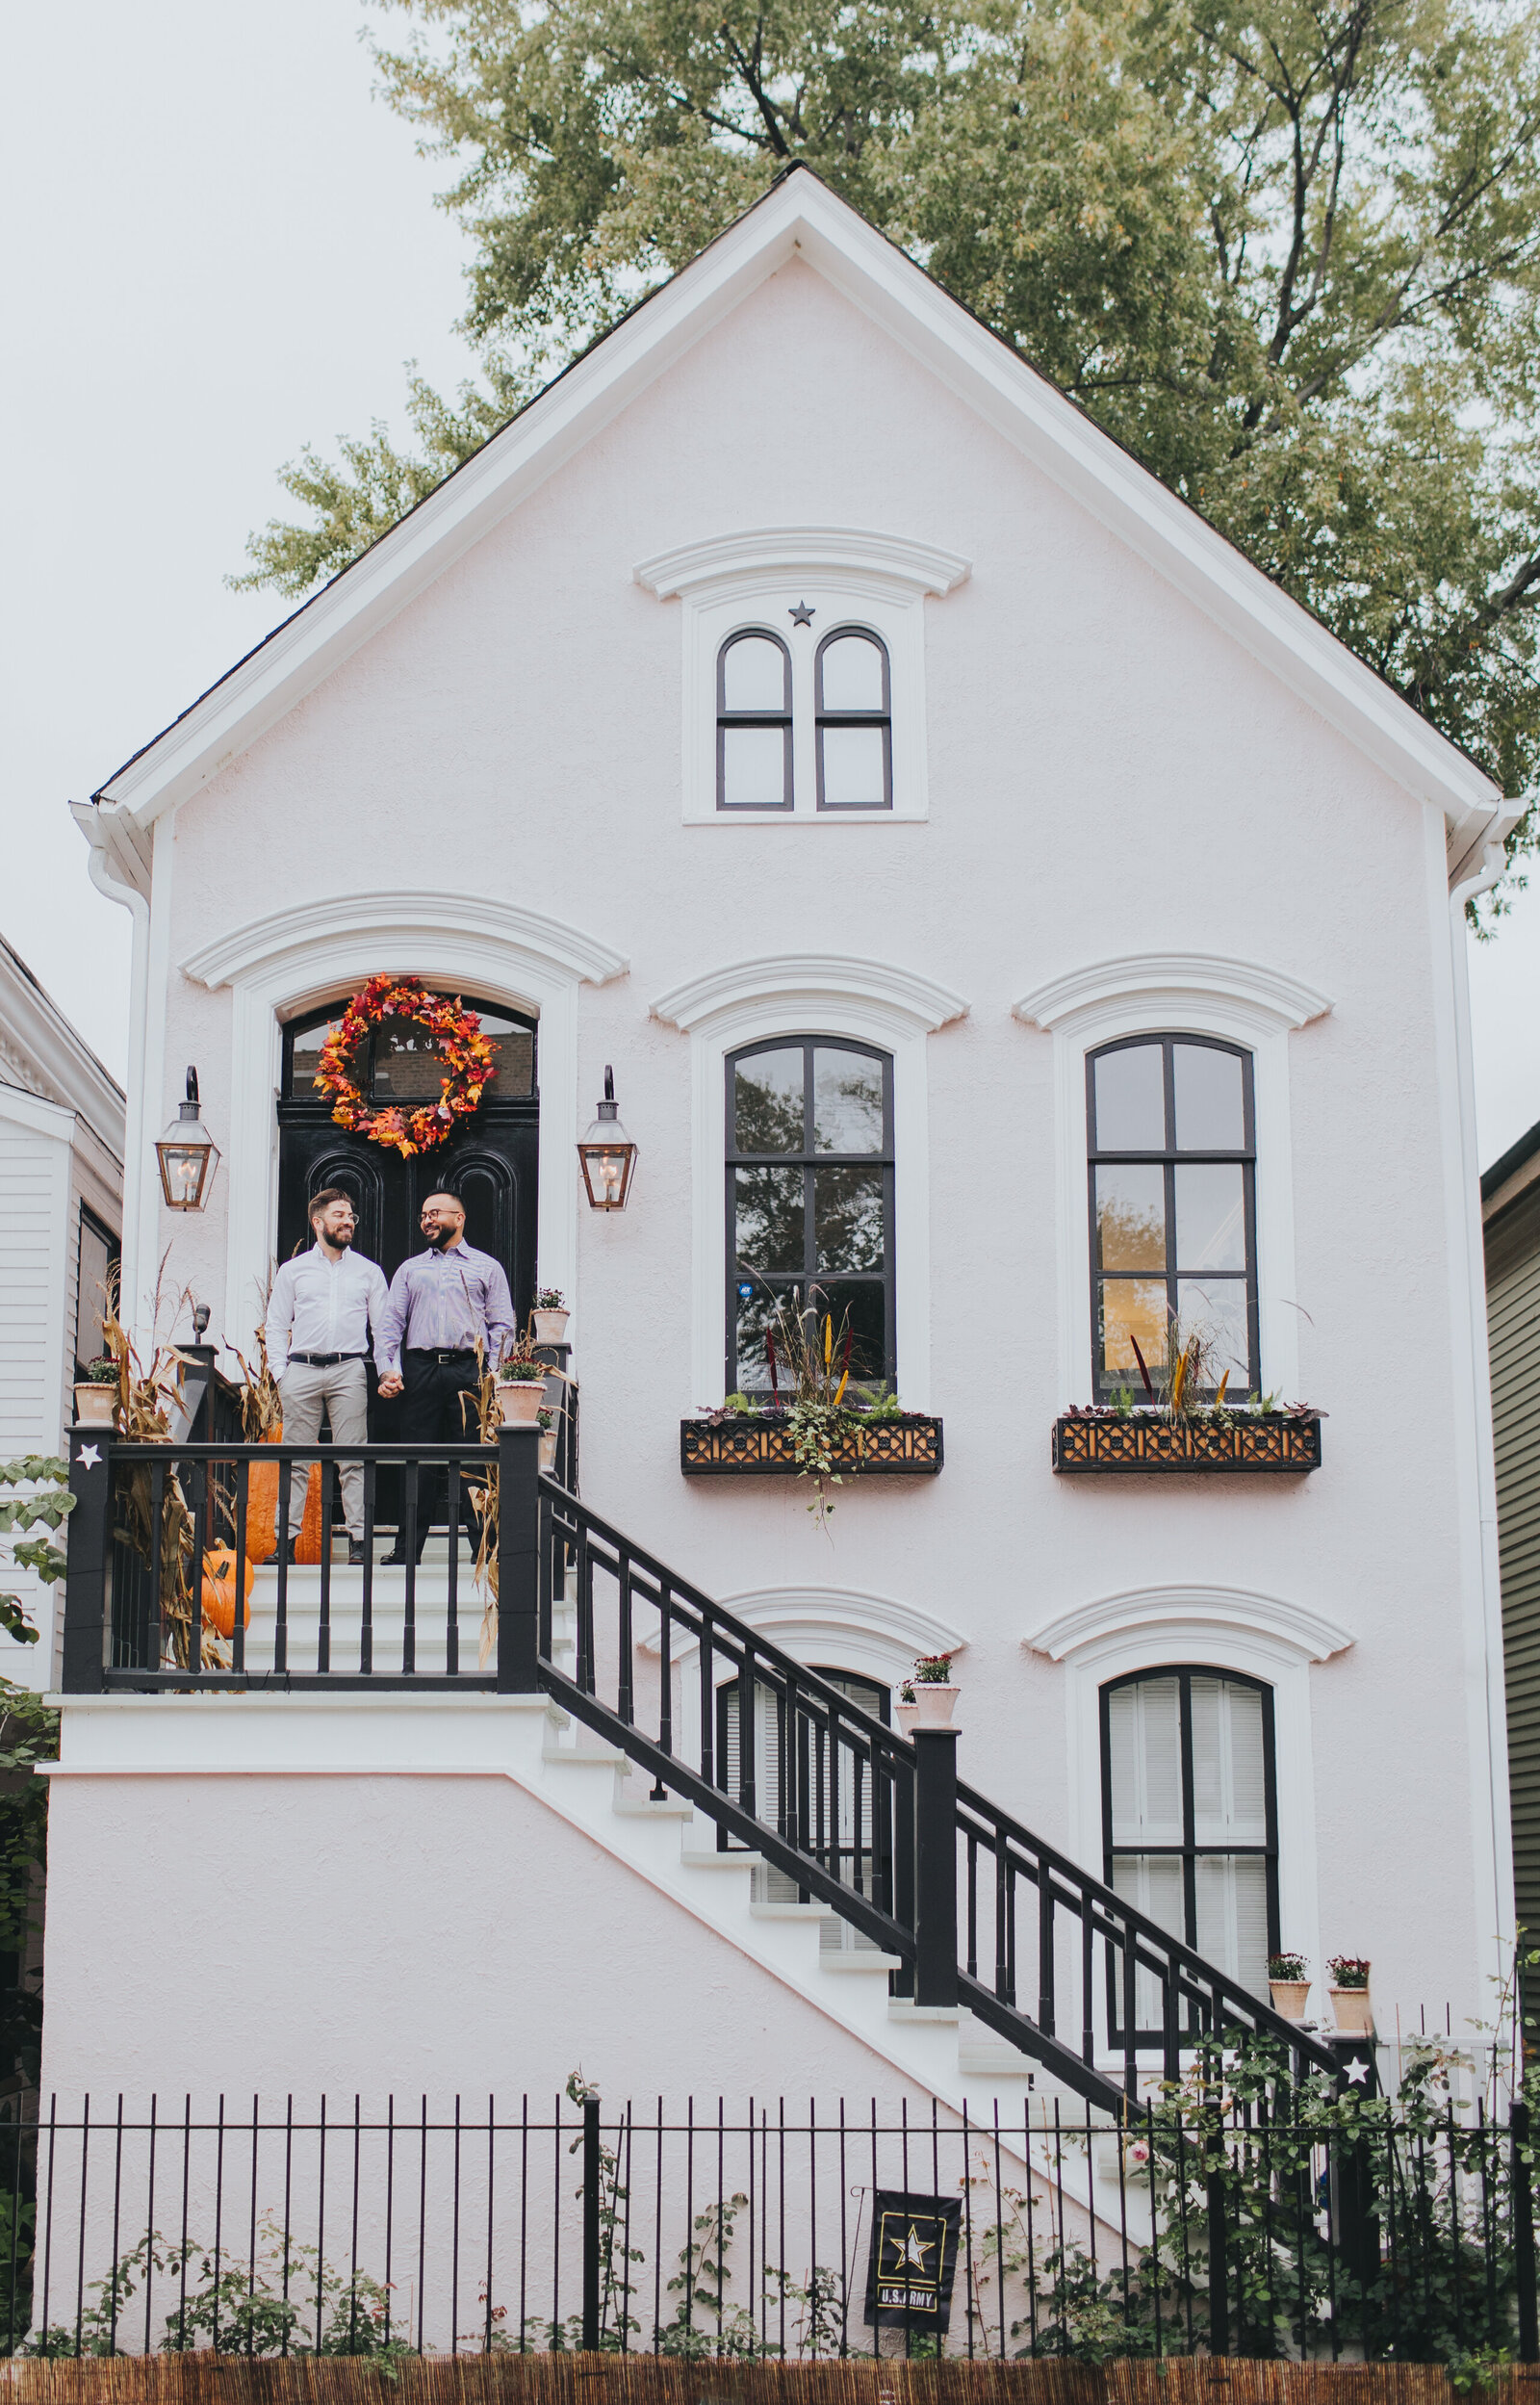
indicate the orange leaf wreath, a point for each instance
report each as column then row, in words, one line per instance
column 465, row 1053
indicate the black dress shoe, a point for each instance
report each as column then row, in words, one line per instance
column 356, row 1556
column 395, row 1559
column 290, row 1556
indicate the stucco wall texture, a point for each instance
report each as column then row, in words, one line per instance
column 1110, row 773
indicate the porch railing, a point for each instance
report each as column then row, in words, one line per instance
column 975, row 1912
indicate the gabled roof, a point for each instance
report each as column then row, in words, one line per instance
column 799, row 215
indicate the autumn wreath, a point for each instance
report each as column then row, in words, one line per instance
column 466, row 1055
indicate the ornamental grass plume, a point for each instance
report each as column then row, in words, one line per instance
column 141, row 1415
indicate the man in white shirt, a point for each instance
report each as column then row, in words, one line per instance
column 325, row 1308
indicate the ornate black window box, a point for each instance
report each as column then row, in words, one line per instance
column 760, row 1446
column 1256, row 1440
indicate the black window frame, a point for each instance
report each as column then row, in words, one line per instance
column 329, row 1013
column 1184, row 1672
column 113, row 1244
column 809, row 1276
column 1104, row 1384
column 883, row 718
column 728, row 718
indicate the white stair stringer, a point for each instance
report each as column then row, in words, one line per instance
column 593, row 1787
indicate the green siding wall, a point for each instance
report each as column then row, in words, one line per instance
column 1513, row 1316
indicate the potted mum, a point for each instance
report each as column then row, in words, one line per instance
column 1289, row 1979
column 551, row 1316
column 1349, row 1995
column 935, row 1696
column 96, row 1393
column 907, row 1711
column 521, row 1387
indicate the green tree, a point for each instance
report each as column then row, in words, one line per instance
column 1287, row 251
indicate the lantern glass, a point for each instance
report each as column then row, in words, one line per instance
column 608, row 1156
column 187, row 1156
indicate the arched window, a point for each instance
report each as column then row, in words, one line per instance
column 1173, row 1210
column 809, row 1198
column 754, row 722
column 840, row 1822
column 1190, row 1814
column 853, row 707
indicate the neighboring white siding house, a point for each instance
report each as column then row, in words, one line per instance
column 1087, row 790
column 61, row 1176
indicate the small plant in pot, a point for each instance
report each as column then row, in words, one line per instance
column 545, row 1420
column 1349, row 1974
column 934, row 1694
column 1289, row 1979
column 550, row 1316
column 906, row 1711
column 521, row 1386
column 96, row 1393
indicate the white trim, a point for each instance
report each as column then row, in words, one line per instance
column 801, row 217
column 811, row 994
column 1182, row 974
column 281, row 963
column 103, row 866
column 260, row 945
column 1252, row 1635
column 33, row 1111
column 759, row 552
column 811, row 976
column 1184, row 993
column 873, row 1635
column 1283, row 1624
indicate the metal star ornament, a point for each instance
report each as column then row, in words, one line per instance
column 802, row 615
column 1357, row 2072
column 89, row 1457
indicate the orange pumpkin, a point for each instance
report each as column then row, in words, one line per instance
column 307, row 1544
column 218, row 1589
column 261, row 1504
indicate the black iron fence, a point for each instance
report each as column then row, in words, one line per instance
column 1300, row 2225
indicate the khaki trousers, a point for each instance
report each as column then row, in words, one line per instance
column 344, row 1389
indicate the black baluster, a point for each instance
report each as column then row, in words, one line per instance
column 366, row 1616
column 452, row 1618
column 935, row 1866
column 519, row 1560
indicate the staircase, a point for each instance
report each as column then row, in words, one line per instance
column 652, row 1717
column 960, row 1913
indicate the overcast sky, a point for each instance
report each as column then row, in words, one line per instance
column 222, row 247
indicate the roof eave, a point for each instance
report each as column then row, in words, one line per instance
column 801, row 214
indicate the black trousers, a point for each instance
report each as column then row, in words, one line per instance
column 431, row 1414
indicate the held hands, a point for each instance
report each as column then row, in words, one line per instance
column 390, row 1384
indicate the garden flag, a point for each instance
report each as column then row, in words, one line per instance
column 913, row 2257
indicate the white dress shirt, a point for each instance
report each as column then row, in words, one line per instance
column 321, row 1306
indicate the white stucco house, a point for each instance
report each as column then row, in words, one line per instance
column 61, row 1208
column 1000, row 906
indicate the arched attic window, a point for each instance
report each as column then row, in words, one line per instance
column 754, row 722
column 854, row 710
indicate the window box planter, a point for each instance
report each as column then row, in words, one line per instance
column 1263, row 1441
column 760, row 1446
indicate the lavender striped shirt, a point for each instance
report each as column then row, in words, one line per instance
column 444, row 1301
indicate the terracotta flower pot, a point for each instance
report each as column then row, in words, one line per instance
column 93, row 1404
column 906, row 1715
column 934, row 1705
column 1354, row 2012
column 550, row 1326
column 1288, row 1998
column 547, row 1448
column 519, row 1399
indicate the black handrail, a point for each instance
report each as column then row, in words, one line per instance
column 1196, row 1999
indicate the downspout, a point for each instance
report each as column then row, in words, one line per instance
column 104, row 874
column 1485, row 861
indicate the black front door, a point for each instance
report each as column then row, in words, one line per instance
column 491, row 1160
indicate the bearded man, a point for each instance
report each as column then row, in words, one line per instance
column 324, row 1306
column 444, row 1304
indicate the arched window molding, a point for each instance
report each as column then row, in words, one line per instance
column 811, row 994
column 768, row 575
column 1225, row 1629
column 1181, row 994
column 277, row 965
column 875, row 1635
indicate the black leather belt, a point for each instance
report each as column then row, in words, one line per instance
column 326, row 1360
column 427, row 1353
